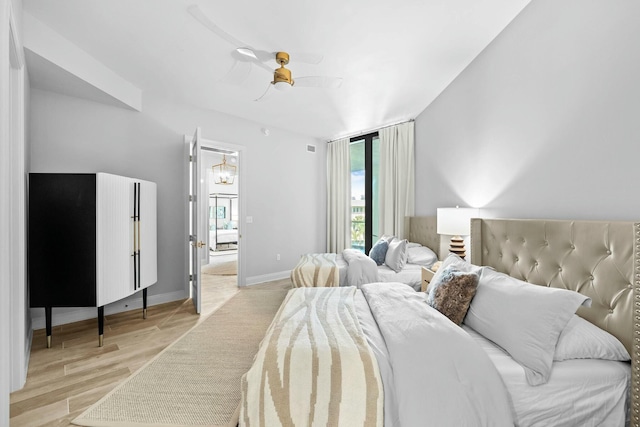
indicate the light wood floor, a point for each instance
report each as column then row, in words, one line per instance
column 66, row 379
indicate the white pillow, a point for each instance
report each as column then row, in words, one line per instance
column 396, row 256
column 387, row 237
column 581, row 339
column 458, row 263
column 522, row 318
column 421, row 255
column 413, row 245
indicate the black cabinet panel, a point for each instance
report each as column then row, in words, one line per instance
column 62, row 240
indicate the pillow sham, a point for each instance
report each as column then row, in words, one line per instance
column 396, row 256
column 452, row 295
column 581, row 339
column 524, row 319
column 453, row 260
column 379, row 251
column 421, row 255
column 388, row 238
column 413, row 245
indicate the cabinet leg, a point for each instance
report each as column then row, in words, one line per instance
column 100, row 326
column 47, row 315
column 144, row 303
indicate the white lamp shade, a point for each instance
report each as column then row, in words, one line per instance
column 455, row 221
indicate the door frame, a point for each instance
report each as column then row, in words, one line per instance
column 241, row 175
column 19, row 343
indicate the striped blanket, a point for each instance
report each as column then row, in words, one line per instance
column 314, row 366
column 316, row 270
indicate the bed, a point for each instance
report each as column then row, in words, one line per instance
column 222, row 218
column 223, row 236
column 472, row 376
column 354, row 268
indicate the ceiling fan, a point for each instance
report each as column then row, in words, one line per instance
column 246, row 55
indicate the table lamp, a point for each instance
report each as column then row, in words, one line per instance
column 456, row 222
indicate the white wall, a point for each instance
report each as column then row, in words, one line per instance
column 75, row 135
column 545, row 122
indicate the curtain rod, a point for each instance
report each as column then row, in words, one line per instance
column 361, row 133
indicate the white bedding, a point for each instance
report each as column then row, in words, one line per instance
column 223, row 236
column 410, row 275
column 451, row 383
column 336, row 382
column 580, row 392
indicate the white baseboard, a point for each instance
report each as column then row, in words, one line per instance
column 38, row 320
column 254, row 280
column 27, row 356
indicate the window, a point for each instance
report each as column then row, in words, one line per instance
column 365, row 166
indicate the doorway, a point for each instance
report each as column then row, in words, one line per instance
column 214, row 250
column 221, row 213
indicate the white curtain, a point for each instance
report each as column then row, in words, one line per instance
column 338, row 196
column 397, row 177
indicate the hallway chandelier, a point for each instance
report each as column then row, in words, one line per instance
column 223, row 173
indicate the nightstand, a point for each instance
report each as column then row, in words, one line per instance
column 427, row 275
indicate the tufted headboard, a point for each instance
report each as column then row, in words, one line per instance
column 422, row 229
column 595, row 258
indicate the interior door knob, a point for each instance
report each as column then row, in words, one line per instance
column 200, row 244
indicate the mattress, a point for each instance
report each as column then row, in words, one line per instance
column 581, row 392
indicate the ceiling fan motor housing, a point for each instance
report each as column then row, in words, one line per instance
column 282, row 58
column 282, row 74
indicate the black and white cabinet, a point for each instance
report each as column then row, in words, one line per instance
column 92, row 241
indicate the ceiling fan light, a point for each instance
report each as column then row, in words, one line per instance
column 246, row 52
column 283, row 86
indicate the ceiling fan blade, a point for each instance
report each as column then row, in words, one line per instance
column 267, row 93
column 306, row 57
column 237, row 74
column 264, row 56
column 199, row 15
column 318, row 81
column 264, row 66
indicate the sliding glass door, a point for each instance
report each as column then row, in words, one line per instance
column 365, row 166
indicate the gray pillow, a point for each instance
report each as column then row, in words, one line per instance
column 396, row 256
column 524, row 319
column 379, row 251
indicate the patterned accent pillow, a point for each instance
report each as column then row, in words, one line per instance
column 452, row 294
column 379, row 251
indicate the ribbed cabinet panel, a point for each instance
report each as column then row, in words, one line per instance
column 148, row 234
column 114, row 228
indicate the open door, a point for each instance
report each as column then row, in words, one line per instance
column 196, row 243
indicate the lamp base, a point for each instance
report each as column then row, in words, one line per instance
column 457, row 247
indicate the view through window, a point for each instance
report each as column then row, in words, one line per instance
column 365, row 166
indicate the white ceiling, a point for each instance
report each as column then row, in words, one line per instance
column 394, row 57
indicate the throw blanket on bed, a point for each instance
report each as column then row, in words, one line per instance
column 362, row 269
column 441, row 377
column 314, row 366
column 316, row 270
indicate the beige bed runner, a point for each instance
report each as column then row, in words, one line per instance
column 316, row 270
column 314, row 366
